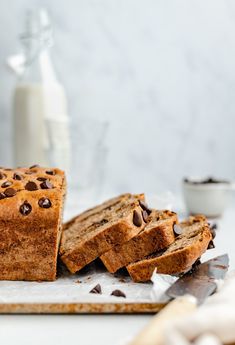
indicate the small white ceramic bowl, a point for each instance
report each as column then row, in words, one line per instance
column 209, row 198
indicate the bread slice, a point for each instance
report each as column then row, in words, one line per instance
column 31, row 208
column 97, row 230
column 180, row 255
column 156, row 235
column 97, row 210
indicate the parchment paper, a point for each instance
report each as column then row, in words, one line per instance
column 76, row 288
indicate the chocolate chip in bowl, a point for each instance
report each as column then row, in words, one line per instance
column 208, row 180
column 207, row 196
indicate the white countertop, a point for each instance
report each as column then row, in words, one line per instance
column 96, row 329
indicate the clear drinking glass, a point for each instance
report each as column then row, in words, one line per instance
column 89, row 157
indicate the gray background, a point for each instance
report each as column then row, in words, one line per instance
column 161, row 73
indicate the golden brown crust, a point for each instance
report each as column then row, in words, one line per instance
column 179, row 256
column 29, row 238
column 83, row 240
column 157, row 235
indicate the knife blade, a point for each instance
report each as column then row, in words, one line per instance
column 201, row 282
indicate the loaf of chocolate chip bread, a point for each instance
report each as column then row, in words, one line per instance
column 179, row 256
column 157, row 234
column 95, row 231
column 31, row 206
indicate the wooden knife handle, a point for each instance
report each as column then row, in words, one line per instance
column 153, row 333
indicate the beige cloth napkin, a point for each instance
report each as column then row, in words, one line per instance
column 213, row 323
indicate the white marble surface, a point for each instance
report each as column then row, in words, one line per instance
column 161, row 73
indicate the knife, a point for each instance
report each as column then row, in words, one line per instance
column 200, row 283
column 188, row 292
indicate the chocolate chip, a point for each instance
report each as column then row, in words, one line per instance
column 122, row 280
column 34, row 166
column 41, row 178
column 31, row 186
column 145, row 207
column 2, row 176
column 2, row 196
column 96, row 289
column 177, row 230
column 214, row 226
column 25, row 208
column 196, row 263
column 137, row 219
column 17, row 177
column 211, row 245
column 213, row 233
column 145, row 216
column 118, row 293
column 102, row 222
column 6, row 184
column 46, row 185
column 50, row 172
column 29, row 172
column 194, row 267
column 208, row 180
column 44, row 203
column 9, row 192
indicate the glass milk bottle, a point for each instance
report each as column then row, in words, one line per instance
column 41, row 129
